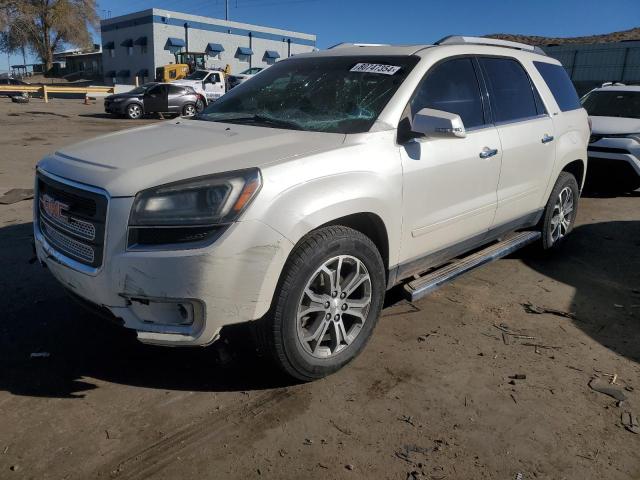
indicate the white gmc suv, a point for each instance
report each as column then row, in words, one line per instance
column 296, row 200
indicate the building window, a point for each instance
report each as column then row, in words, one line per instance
column 112, row 52
column 143, row 49
column 129, row 51
column 244, row 58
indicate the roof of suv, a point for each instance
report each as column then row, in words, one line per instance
column 618, row 88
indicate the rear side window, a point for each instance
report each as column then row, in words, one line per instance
column 556, row 78
column 174, row 90
column 511, row 93
column 452, row 87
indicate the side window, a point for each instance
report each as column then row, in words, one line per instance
column 511, row 92
column 556, row 78
column 452, row 87
column 175, row 90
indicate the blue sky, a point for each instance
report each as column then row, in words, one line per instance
column 404, row 21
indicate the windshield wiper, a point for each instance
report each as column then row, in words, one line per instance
column 259, row 119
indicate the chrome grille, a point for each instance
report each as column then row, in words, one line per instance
column 72, row 225
column 72, row 219
column 67, row 245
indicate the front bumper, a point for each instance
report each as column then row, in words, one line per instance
column 114, row 107
column 231, row 281
column 617, row 151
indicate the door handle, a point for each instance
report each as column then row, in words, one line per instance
column 547, row 138
column 488, row 152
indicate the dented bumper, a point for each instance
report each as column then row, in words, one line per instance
column 177, row 297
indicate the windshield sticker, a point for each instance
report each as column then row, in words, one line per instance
column 375, row 68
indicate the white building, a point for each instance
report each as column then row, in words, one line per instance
column 135, row 45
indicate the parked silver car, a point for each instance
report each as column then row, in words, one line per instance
column 155, row 98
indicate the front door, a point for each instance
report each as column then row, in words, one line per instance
column 527, row 137
column 213, row 87
column 449, row 183
column 156, row 99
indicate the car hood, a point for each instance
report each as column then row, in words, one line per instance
column 125, row 162
column 614, row 125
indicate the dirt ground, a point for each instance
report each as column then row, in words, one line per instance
column 430, row 397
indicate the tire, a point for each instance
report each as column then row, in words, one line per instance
column 200, row 105
column 281, row 333
column 134, row 111
column 560, row 211
column 189, row 110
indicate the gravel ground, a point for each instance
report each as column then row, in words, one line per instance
column 431, row 396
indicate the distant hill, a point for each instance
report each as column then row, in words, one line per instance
column 625, row 35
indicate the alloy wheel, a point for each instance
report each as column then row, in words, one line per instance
column 334, row 306
column 134, row 111
column 189, row 110
column 562, row 214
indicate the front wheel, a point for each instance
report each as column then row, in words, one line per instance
column 327, row 303
column 134, row 111
column 560, row 212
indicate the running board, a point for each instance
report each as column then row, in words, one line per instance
column 431, row 281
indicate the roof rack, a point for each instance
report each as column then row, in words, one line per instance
column 463, row 40
column 347, row 45
column 613, row 84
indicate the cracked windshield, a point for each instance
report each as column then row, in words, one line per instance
column 337, row 95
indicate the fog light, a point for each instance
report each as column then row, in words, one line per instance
column 162, row 311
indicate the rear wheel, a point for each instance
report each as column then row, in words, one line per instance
column 134, row 111
column 327, row 304
column 560, row 212
column 189, row 110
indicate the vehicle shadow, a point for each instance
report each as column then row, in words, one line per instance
column 72, row 347
column 602, row 262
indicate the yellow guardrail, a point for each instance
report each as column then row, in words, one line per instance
column 46, row 90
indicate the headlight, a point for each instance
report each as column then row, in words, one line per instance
column 191, row 210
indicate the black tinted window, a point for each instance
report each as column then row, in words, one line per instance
column 556, row 78
column 613, row 103
column 175, row 90
column 452, row 87
column 510, row 91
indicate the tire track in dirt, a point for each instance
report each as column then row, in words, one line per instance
column 260, row 414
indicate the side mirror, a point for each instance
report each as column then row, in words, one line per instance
column 436, row 123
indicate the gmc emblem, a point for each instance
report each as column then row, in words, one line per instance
column 53, row 208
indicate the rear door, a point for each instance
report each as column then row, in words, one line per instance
column 156, row 99
column 449, row 183
column 526, row 135
column 174, row 98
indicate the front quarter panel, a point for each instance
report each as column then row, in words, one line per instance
column 362, row 176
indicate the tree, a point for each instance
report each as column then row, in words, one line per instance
column 49, row 24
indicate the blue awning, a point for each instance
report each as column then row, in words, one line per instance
column 124, row 73
column 245, row 51
column 174, row 42
column 108, row 46
column 214, row 48
column 127, row 43
column 271, row 54
column 142, row 41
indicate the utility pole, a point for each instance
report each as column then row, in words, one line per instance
column 226, row 9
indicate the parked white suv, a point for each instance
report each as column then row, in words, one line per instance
column 297, row 199
column 614, row 146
